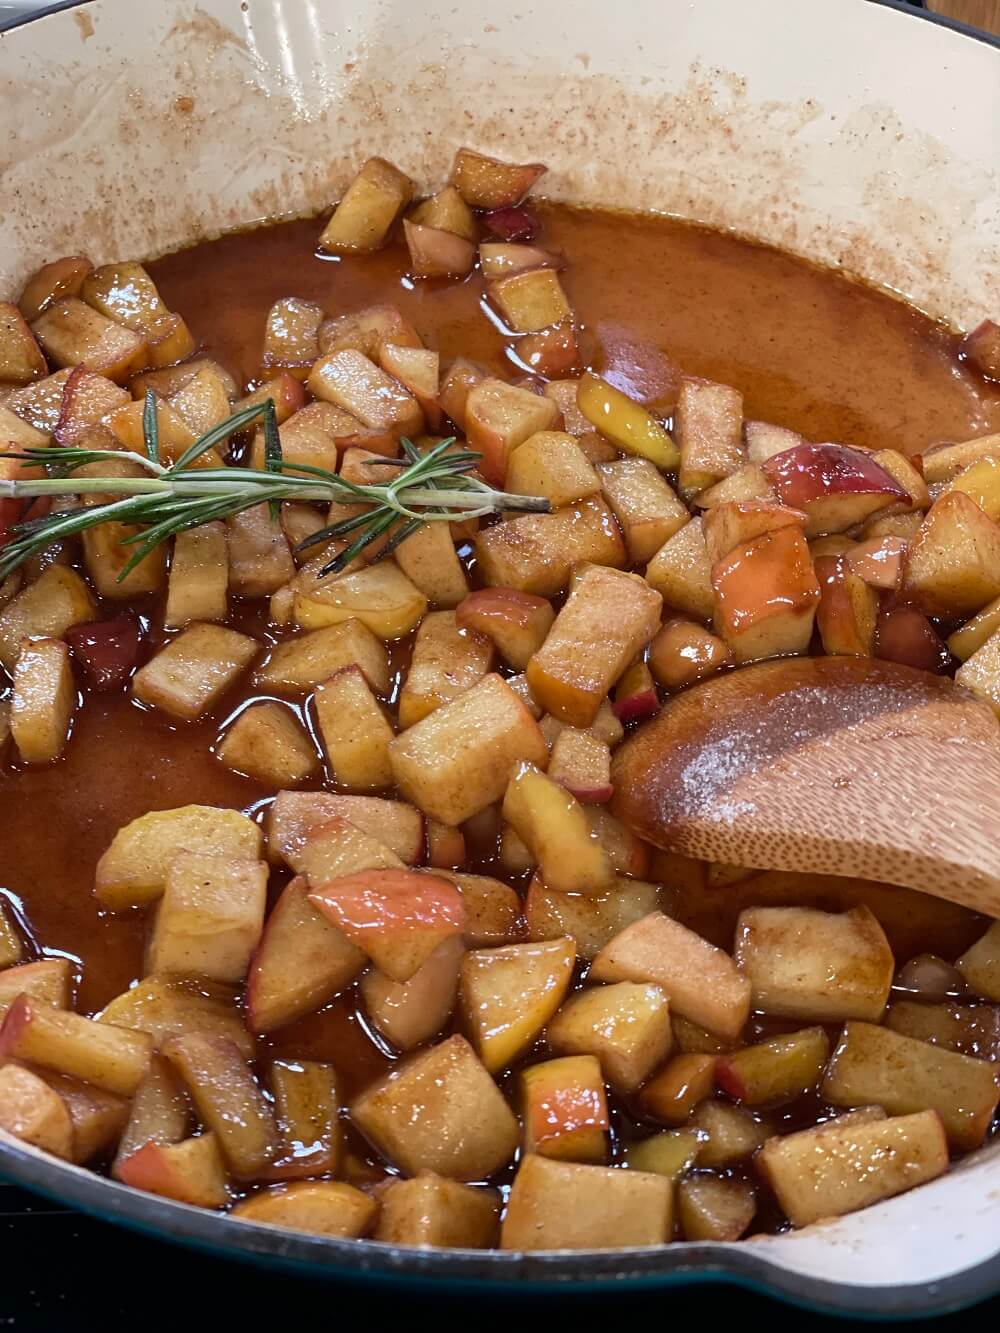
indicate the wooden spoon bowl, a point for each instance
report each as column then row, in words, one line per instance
column 825, row 765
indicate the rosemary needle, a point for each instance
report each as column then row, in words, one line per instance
column 420, row 488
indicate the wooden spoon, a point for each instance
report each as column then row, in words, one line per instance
column 825, row 765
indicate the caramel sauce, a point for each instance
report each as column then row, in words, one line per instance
column 809, row 349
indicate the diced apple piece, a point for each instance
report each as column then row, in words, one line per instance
column 430, row 1211
column 307, row 1107
column 319, row 434
column 564, row 1109
column 38, row 405
column 429, row 560
column 731, row 525
column 106, row 556
column 173, row 432
column 355, row 732
column 873, row 1065
column 943, row 462
column 21, row 359
column 228, row 1100
column 729, row 1134
column 625, row 422
column 838, row 1168
column 879, row 561
column 608, row 617
column 582, row 764
column 109, row 1057
column 381, row 597
column 269, row 744
column 980, row 965
column 775, row 1070
column 971, row 637
column 516, row 622
column 552, row 464
column 446, row 211
column 398, row 917
column 294, row 817
column 554, row 827
column 445, row 846
column 536, row 553
column 887, row 524
column 672, row 1094
column 629, row 854
column 171, row 379
column 43, row 700
column 53, row 281
column 72, row 333
column 465, row 1130
column 569, row 1206
column 411, row 1012
column 766, row 596
column 319, row 1207
column 953, row 564
column 372, row 203
column 97, row 1117
column 509, row 995
column 33, row 1112
column 299, row 664
column 823, row 966
column 447, row 661
column 834, row 486
column 302, row 962
column 11, row 944
column 86, row 400
column 668, row 1154
column 260, row 561
column 682, row 653
column 126, row 294
column 627, row 1026
column 485, row 182
column 848, row 608
column 968, row 1029
column 701, row 982
column 133, row 871
column 167, row 341
column 457, row 383
column 981, row 673
column 747, row 485
column 291, row 334
column 646, row 507
column 708, row 422
column 492, row 909
column 189, row 675
column 45, row 609
column 591, row 920
column 165, row 1009
column 764, row 440
column 160, row 1113
column 351, row 381
column 530, row 300
column 436, row 253
column 339, row 848
column 904, row 634
column 366, row 331
column 681, row 573
column 284, row 391
column 456, row 761
column 635, row 694
column 981, row 348
column 499, row 417
column 418, row 370
column 712, row 1208
column 500, row 259
column 192, row 1171
column 907, row 475
column 210, row 918
column 199, row 576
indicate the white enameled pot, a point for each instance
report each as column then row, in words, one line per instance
column 857, row 135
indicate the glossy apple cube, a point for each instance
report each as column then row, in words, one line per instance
column 564, row 1109
column 836, row 487
column 509, row 994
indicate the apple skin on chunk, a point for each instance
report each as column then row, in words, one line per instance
column 499, row 417
column 433, row 1211
column 608, row 617
column 456, row 762
column 192, row 1171
column 33, row 1112
column 571, row 1206
column 50, row 980
column 485, row 182
column 398, row 917
column 733, row 524
column 303, row 960
column 554, row 827
column 671, row 1095
column 509, row 994
column 160, row 1112
column 875, row 1066
column 774, row 1070
column 515, row 621
column 836, row 487
column 903, row 634
column 465, row 1130
column 409, row 1012
column 766, row 595
column 838, row 1168
column 701, row 982
column 319, row 1207
column 564, row 1109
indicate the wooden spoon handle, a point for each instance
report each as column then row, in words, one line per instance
column 835, row 766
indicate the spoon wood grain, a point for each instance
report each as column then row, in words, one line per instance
column 826, row 765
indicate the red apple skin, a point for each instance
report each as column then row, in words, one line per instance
column 905, row 635
column 981, row 348
column 879, row 561
column 289, row 395
column 636, row 707
column 834, row 485
column 387, row 901
column 17, row 1019
column 729, row 1080
column 590, row 795
column 512, row 224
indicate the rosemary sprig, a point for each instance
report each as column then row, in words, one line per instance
column 426, row 488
